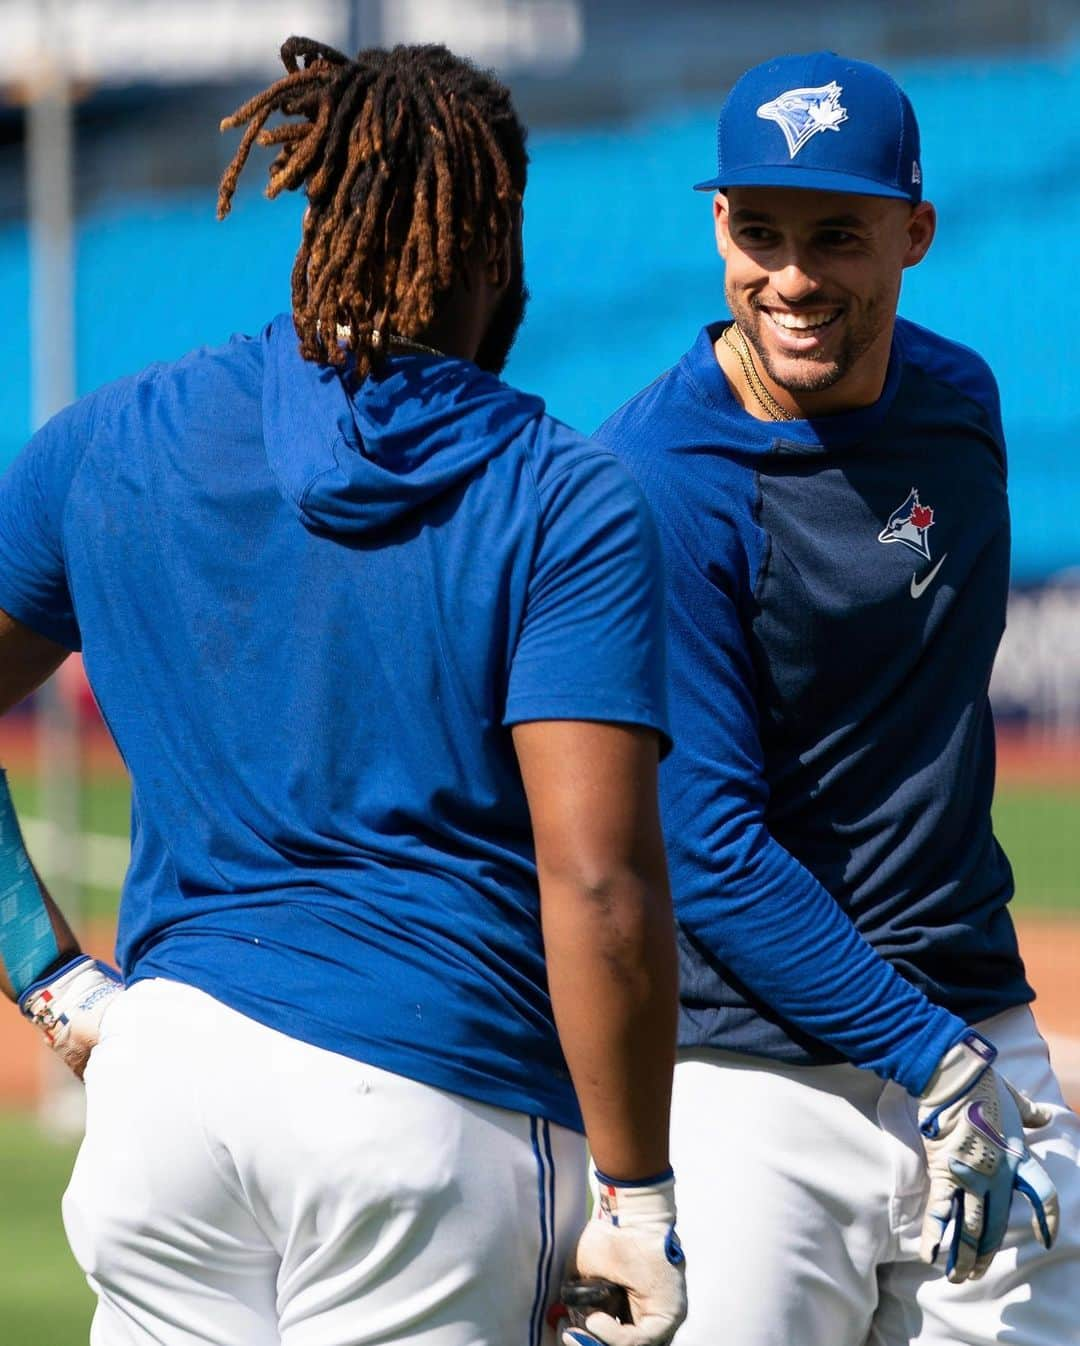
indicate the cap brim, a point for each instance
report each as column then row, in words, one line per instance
column 806, row 179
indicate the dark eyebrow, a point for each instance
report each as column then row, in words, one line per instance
column 842, row 222
column 747, row 216
column 744, row 216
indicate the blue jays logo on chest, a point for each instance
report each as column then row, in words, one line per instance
column 802, row 113
column 910, row 524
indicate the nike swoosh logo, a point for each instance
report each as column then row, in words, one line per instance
column 980, row 1123
column 918, row 587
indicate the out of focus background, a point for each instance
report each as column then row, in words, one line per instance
column 110, row 257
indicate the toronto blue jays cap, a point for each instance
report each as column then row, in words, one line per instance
column 818, row 121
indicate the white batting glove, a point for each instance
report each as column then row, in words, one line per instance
column 972, row 1124
column 68, row 1004
column 631, row 1241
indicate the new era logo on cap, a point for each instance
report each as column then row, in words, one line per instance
column 773, row 124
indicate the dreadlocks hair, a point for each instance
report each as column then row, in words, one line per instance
column 411, row 160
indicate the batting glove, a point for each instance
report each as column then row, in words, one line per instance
column 67, row 1005
column 631, row 1241
column 972, row 1124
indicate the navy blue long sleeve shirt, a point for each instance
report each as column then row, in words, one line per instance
column 837, row 592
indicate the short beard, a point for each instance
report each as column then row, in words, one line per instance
column 502, row 330
column 808, row 375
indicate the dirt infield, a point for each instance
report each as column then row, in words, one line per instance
column 1034, row 759
column 1051, row 948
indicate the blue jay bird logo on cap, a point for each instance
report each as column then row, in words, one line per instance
column 909, row 525
column 802, row 113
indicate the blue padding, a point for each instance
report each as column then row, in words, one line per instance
column 52, row 974
column 27, row 942
column 654, row 1181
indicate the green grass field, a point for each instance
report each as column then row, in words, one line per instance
column 43, row 1298
column 1039, row 828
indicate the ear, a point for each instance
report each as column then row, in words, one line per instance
column 921, row 227
column 720, row 222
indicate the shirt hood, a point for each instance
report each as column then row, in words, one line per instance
column 354, row 462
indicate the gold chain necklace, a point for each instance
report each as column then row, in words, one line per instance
column 408, row 344
column 402, row 343
column 761, row 395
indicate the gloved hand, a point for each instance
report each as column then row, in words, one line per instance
column 972, row 1124
column 631, row 1240
column 67, row 1004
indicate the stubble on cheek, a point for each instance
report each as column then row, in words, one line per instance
column 816, row 371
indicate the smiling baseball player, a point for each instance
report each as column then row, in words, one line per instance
column 382, row 647
column 830, row 486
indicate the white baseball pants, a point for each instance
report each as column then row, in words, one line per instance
column 239, row 1188
column 801, row 1193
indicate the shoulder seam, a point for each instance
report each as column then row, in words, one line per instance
column 528, row 456
column 598, row 451
column 967, row 396
column 103, row 419
column 100, row 419
column 977, row 360
column 989, row 408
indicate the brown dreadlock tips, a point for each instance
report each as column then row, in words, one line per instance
column 407, row 157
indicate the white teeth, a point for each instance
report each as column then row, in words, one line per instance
column 801, row 321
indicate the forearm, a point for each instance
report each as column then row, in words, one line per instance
column 609, row 933
column 34, row 935
column 609, row 941
column 740, row 896
column 33, row 932
column 66, row 944
column 58, row 989
column 785, row 938
column 612, row 974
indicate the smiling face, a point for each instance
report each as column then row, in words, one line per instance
column 813, row 279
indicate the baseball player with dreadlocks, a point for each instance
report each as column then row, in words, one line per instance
column 829, row 484
column 382, row 647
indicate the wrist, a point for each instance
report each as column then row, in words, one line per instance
column 77, row 992
column 650, row 1201
column 57, row 971
column 606, row 1179
column 956, row 1074
column 69, row 1007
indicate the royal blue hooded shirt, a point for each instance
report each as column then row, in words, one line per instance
column 310, row 617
